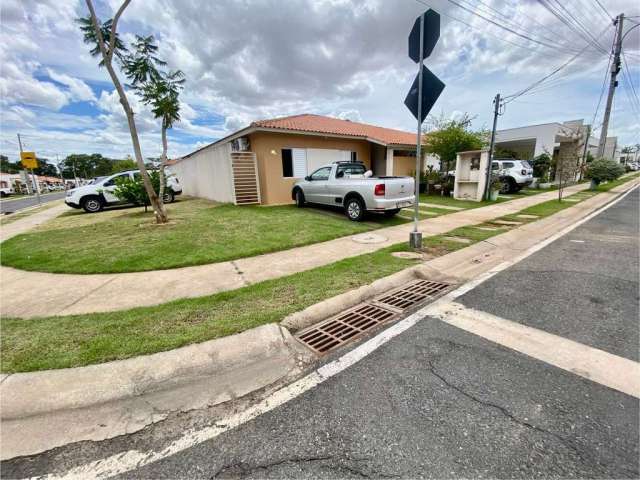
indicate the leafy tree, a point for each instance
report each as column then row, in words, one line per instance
column 504, row 153
column 108, row 46
column 86, row 165
column 162, row 94
column 448, row 137
column 603, row 170
column 7, row 166
column 123, row 165
column 45, row 168
column 142, row 65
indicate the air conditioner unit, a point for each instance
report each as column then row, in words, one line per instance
column 241, row 144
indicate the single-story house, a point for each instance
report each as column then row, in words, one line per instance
column 260, row 163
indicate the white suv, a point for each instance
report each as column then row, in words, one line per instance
column 514, row 174
column 101, row 192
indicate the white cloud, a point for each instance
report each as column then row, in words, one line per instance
column 78, row 91
column 259, row 59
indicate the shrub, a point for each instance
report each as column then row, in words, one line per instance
column 131, row 190
column 603, row 170
column 541, row 166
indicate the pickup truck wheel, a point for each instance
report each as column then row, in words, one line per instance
column 354, row 208
column 92, row 204
column 391, row 213
column 299, row 198
column 168, row 197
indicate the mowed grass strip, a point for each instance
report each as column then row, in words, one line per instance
column 199, row 232
column 78, row 340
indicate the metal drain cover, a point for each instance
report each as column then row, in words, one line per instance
column 413, row 294
column 348, row 325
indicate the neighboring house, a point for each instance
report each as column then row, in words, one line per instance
column 260, row 163
column 533, row 140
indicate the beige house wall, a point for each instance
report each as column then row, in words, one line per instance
column 275, row 188
column 403, row 166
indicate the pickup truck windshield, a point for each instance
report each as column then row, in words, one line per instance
column 350, row 169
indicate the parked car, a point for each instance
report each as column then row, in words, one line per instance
column 5, row 191
column 514, row 174
column 349, row 185
column 101, row 192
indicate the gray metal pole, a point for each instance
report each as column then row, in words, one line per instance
column 615, row 68
column 26, row 173
column 415, row 237
column 496, row 112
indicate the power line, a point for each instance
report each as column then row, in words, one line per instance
column 576, row 21
column 606, row 12
column 515, row 32
column 500, row 16
column 484, row 31
column 510, row 98
column 556, row 13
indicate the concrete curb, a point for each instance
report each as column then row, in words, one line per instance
column 467, row 262
column 42, row 410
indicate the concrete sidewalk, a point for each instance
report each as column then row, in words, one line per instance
column 31, row 221
column 67, row 294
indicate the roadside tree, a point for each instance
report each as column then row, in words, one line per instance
column 446, row 137
column 103, row 37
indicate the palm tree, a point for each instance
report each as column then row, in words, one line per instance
column 162, row 95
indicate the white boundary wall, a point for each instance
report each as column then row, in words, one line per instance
column 207, row 174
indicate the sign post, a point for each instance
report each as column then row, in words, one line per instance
column 29, row 160
column 424, row 92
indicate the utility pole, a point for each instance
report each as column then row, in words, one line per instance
column 613, row 83
column 496, row 112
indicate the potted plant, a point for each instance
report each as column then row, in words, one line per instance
column 495, row 185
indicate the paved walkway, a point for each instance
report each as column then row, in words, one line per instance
column 27, row 223
column 67, row 294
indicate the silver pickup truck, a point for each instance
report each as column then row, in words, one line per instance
column 348, row 185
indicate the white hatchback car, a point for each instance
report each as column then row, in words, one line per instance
column 100, row 192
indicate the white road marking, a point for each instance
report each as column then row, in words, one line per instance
column 596, row 365
column 132, row 459
column 577, row 241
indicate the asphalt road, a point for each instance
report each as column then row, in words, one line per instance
column 9, row 204
column 439, row 402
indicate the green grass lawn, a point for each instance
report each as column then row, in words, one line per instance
column 199, row 232
column 77, row 340
column 71, row 341
column 605, row 187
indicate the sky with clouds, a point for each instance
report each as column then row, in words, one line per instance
column 246, row 60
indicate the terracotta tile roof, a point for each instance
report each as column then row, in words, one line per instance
column 336, row 126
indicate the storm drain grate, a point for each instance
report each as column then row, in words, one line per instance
column 414, row 293
column 345, row 326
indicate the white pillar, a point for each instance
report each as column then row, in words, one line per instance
column 389, row 162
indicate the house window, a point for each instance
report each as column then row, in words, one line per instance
column 287, row 163
column 354, row 156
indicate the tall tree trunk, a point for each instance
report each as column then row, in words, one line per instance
column 158, row 207
column 163, row 161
